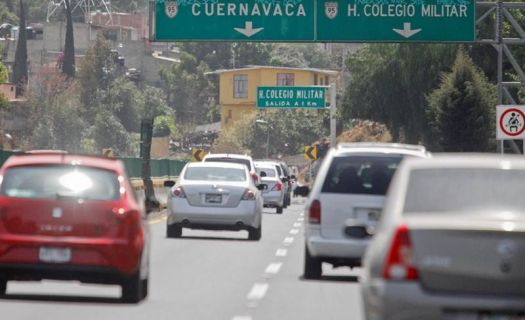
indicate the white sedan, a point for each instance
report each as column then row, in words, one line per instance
column 215, row 196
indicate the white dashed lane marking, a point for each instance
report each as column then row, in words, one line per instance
column 273, row 268
column 300, row 219
column 258, row 291
column 297, row 225
column 294, row 231
column 288, row 240
column 242, row 318
column 281, row 252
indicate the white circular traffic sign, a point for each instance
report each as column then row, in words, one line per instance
column 512, row 122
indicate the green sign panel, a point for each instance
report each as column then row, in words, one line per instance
column 315, row 20
column 291, row 97
column 237, row 20
column 396, row 20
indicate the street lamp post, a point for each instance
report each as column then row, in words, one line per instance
column 267, row 134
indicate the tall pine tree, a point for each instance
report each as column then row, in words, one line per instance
column 20, row 67
column 461, row 110
column 68, row 66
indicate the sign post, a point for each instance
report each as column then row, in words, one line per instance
column 333, row 115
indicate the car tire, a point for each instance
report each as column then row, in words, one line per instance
column 132, row 291
column 312, row 266
column 173, row 230
column 3, row 287
column 279, row 210
column 144, row 287
column 254, row 234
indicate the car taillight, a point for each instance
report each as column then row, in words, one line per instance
column 178, row 192
column 399, row 264
column 277, row 187
column 255, row 178
column 248, row 195
column 314, row 212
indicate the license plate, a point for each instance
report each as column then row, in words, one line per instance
column 54, row 255
column 213, row 198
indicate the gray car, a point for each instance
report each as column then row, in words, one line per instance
column 451, row 241
column 274, row 189
column 215, row 196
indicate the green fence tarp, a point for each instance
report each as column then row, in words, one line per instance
column 161, row 168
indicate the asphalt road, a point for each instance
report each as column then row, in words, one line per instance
column 207, row 275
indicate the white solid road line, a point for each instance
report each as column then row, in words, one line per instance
column 281, row 252
column 288, row 240
column 294, row 231
column 258, row 291
column 273, row 268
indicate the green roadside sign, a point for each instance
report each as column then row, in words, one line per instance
column 315, row 20
column 291, row 97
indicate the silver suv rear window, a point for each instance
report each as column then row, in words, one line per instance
column 464, row 189
column 361, row 174
column 58, row 182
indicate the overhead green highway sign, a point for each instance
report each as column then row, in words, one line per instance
column 291, row 97
column 314, row 20
column 396, row 20
column 237, row 20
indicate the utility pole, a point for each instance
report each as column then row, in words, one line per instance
column 333, row 115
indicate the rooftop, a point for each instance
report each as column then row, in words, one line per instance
column 254, row 67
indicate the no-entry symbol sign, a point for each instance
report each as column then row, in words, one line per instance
column 510, row 122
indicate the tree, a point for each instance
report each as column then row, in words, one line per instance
column 461, row 109
column 68, row 66
column 7, row 14
column 4, row 102
column 95, row 74
column 108, row 132
column 164, row 126
column 290, row 131
column 308, row 55
column 54, row 112
column 124, row 100
column 4, row 74
column 226, row 55
column 390, row 82
column 189, row 91
column 20, row 67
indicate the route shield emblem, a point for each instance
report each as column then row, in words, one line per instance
column 330, row 9
column 171, row 8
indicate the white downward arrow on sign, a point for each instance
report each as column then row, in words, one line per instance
column 248, row 29
column 407, row 31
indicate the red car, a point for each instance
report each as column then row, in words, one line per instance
column 72, row 217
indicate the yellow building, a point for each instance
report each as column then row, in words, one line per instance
column 238, row 87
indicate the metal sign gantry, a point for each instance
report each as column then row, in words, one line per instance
column 87, row 6
column 501, row 12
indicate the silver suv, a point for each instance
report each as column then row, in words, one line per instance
column 346, row 200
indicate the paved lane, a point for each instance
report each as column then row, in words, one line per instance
column 206, row 275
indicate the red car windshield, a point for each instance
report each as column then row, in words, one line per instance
column 51, row 182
